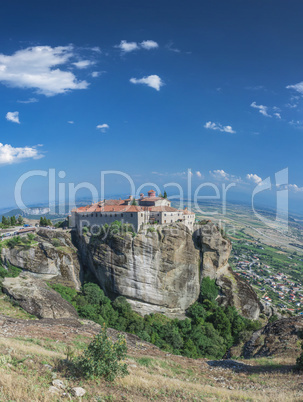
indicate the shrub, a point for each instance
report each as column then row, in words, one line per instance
column 56, row 242
column 102, row 358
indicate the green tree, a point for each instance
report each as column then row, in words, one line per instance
column 209, row 289
column 102, row 358
column 20, row 220
column 13, row 220
column 165, row 194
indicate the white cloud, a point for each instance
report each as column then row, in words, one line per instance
column 30, row 100
column 254, row 178
column 262, row 109
column 71, row 122
column 96, row 49
column 37, row 67
column 127, row 47
column 170, row 46
column 83, row 64
column 199, row 174
column 96, row 74
column 13, row 117
column 219, row 174
column 10, row 155
column 295, row 188
column 278, row 115
column 102, row 127
column 153, row 81
column 217, row 126
column 297, row 87
column 149, row 44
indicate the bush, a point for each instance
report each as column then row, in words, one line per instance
column 102, row 358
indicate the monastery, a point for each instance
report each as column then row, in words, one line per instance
column 136, row 212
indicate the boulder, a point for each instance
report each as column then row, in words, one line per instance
column 37, row 298
column 78, row 392
column 51, row 255
column 281, row 338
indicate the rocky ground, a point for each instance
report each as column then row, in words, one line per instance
column 31, row 351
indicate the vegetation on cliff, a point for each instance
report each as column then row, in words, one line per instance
column 208, row 331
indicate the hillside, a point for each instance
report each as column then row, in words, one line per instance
column 31, row 351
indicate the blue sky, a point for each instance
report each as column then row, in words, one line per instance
column 151, row 88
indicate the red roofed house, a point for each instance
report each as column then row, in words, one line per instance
column 150, row 209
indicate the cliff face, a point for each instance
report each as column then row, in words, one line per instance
column 215, row 251
column 156, row 272
column 161, row 271
column 52, row 254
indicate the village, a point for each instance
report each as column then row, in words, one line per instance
column 274, row 288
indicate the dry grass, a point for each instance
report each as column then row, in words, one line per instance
column 25, row 376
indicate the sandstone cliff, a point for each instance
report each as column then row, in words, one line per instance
column 235, row 291
column 52, row 254
column 161, row 271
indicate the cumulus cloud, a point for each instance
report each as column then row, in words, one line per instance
column 217, row 126
column 295, row 188
column 198, row 173
column 219, row 174
column 262, row 109
column 37, row 68
column 83, row 64
column 127, row 47
column 102, row 127
column 297, row 87
column 10, row 154
column 13, row 117
column 254, row 178
column 30, row 100
column 149, row 44
column 153, row 81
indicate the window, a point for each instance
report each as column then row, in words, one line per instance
column 122, row 215
column 96, row 214
column 110, row 215
column 131, row 215
column 92, row 215
column 115, row 214
column 101, row 215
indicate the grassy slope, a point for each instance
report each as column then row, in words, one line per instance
column 154, row 375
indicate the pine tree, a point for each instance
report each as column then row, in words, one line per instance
column 165, row 194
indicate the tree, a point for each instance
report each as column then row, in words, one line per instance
column 209, row 289
column 165, row 194
column 13, row 220
column 20, row 220
column 102, row 358
column 134, row 202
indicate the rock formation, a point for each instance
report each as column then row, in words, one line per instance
column 215, row 251
column 156, row 271
column 161, row 271
column 52, row 254
column 280, row 339
column 35, row 297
